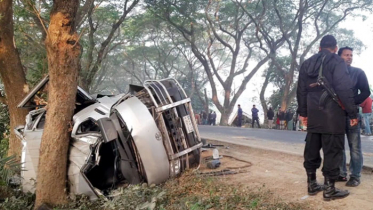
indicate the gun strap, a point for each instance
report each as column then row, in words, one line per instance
column 321, row 67
column 322, row 101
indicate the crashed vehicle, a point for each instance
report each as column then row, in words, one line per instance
column 147, row 135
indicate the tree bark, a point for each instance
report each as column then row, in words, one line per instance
column 63, row 51
column 224, row 118
column 12, row 75
column 285, row 96
column 294, row 52
column 206, row 102
column 262, row 99
column 292, row 94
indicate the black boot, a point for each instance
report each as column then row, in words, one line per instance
column 331, row 193
column 313, row 187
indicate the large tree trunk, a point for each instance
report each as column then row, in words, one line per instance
column 206, row 102
column 12, row 74
column 63, row 51
column 224, row 118
column 292, row 94
column 262, row 99
column 225, row 114
column 285, row 96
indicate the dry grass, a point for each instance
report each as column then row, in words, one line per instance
column 200, row 192
column 190, row 191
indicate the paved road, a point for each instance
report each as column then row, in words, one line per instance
column 287, row 141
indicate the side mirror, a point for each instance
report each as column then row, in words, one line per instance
column 107, row 128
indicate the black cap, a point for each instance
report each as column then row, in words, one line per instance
column 328, row 41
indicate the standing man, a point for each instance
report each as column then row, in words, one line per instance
column 282, row 119
column 367, row 112
column 239, row 116
column 289, row 119
column 198, row 118
column 204, row 118
column 359, row 83
column 270, row 115
column 278, row 124
column 319, row 75
column 214, row 118
column 209, row 118
column 254, row 114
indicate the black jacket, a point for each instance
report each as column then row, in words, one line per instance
column 359, row 82
column 330, row 119
column 289, row 116
column 281, row 115
column 270, row 114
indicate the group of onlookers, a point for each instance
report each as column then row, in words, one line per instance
column 254, row 115
column 288, row 120
column 285, row 120
column 206, row 119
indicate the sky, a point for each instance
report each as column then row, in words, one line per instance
column 363, row 30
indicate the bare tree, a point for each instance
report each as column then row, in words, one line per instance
column 227, row 32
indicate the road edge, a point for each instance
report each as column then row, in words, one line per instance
column 368, row 168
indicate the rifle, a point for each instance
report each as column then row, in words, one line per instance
column 328, row 91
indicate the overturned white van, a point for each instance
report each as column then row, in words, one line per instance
column 147, row 135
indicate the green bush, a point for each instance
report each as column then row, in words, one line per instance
column 4, row 146
column 4, row 130
column 17, row 201
column 9, row 166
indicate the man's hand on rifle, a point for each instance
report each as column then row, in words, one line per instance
column 353, row 122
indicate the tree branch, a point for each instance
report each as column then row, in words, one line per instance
column 212, row 63
column 109, row 38
column 84, row 10
column 214, row 31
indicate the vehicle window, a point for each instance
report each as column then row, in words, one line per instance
column 41, row 123
column 87, row 126
column 31, row 121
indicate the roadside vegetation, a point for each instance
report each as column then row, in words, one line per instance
column 190, row 191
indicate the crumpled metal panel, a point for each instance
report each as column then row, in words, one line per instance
column 31, row 139
column 147, row 138
column 95, row 111
column 78, row 154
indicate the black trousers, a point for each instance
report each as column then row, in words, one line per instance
column 253, row 121
column 239, row 121
column 332, row 146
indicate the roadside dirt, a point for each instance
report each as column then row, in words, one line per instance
column 284, row 175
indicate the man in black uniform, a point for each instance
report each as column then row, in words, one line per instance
column 361, row 92
column 324, row 115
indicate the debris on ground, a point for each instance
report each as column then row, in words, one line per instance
column 213, row 164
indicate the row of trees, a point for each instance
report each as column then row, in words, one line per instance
column 234, row 39
column 105, row 45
